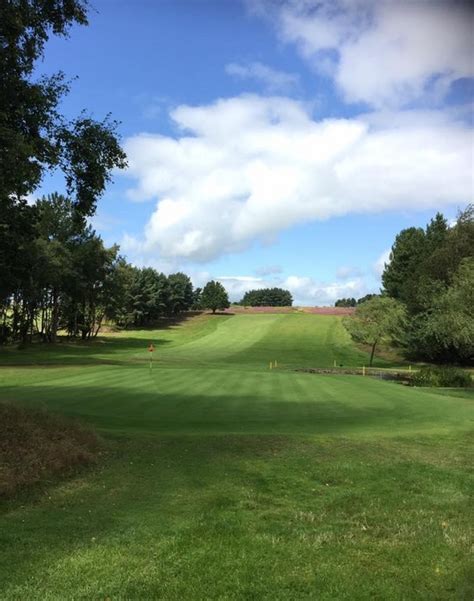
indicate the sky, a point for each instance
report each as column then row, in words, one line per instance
column 275, row 143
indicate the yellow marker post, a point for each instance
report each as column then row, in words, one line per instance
column 363, row 370
column 271, row 365
column 334, row 362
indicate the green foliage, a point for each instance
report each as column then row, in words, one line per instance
column 214, row 297
column 450, row 324
column 70, row 281
column 401, row 273
column 431, row 273
column 442, row 376
column 65, row 283
column 267, row 297
column 36, row 139
column 197, row 304
column 366, row 298
column 145, row 295
column 180, row 293
column 34, row 136
column 380, row 318
column 345, row 302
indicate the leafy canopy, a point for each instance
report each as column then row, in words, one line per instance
column 214, row 296
column 267, row 297
column 377, row 319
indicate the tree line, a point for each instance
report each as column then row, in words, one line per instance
column 56, row 274
column 426, row 306
column 267, row 297
column 352, row 302
column 70, row 281
column 53, row 268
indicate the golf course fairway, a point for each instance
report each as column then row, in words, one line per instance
column 223, row 479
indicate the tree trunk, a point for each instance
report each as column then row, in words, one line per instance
column 372, row 353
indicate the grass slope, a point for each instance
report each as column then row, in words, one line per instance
column 229, row 481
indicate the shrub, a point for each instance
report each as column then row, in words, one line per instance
column 442, row 376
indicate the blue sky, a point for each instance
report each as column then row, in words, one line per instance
column 275, row 143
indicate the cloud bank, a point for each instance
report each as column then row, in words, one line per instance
column 305, row 290
column 272, row 79
column 243, row 169
column 380, row 52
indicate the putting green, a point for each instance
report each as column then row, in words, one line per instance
column 211, row 375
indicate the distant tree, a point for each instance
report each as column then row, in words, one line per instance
column 401, row 275
column 197, row 299
column 267, row 297
column 345, row 302
column 365, row 298
column 180, row 293
column 214, row 296
column 376, row 319
column 87, row 291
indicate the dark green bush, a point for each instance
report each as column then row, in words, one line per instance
column 442, row 376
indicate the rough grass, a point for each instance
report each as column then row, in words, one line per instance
column 228, row 481
column 36, row 445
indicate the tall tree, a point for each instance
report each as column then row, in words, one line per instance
column 180, row 293
column 34, row 136
column 401, row 274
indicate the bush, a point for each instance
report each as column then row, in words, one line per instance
column 449, row 377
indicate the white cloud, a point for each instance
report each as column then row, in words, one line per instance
column 272, row 79
column 245, row 168
column 380, row 263
column 237, row 286
column 31, row 199
column 382, row 52
column 269, row 270
column 344, row 273
column 305, row 290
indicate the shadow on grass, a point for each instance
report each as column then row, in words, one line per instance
column 167, row 497
column 93, row 352
column 68, row 352
column 151, row 409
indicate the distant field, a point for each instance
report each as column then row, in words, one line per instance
column 311, row 310
column 227, row 480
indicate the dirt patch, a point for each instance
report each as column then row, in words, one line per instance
column 36, row 445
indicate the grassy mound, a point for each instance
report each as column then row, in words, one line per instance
column 35, row 445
